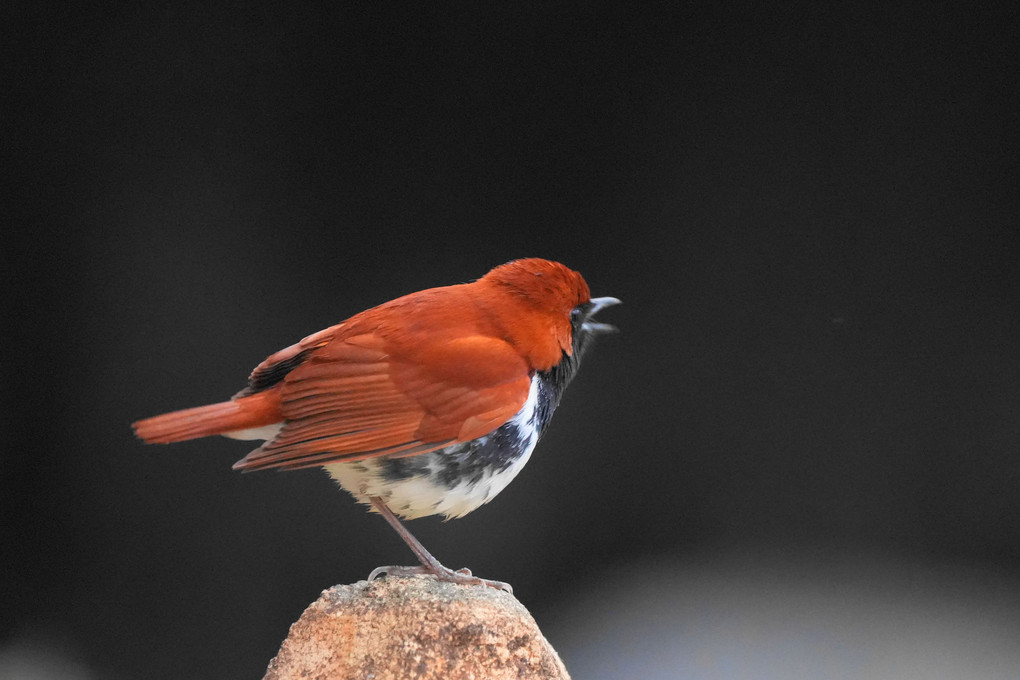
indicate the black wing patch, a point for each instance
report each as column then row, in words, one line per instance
column 264, row 379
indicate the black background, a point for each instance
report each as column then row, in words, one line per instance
column 809, row 213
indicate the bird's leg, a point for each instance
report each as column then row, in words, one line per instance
column 430, row 565
column 423, row 555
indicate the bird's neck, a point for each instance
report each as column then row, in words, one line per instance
column 559, row 376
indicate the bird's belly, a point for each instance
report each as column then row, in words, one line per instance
column 452, row 481
column 426, row 484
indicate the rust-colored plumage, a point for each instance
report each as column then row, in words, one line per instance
column 428, row 404
column 421, row 372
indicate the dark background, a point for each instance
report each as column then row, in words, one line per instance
column 810, row 215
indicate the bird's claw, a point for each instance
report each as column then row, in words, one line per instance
column 461, row 576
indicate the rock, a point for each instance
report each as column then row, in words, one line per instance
column 415, row 627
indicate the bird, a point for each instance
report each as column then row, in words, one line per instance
column 429, row 404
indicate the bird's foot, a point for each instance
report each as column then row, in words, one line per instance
column 461, row 576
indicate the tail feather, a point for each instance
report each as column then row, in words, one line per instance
column 243, row 413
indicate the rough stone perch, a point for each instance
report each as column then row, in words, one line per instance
column 416, row 627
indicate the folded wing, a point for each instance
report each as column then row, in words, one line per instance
column 357, row 397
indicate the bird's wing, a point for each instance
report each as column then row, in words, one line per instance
column 363, row 396
column 276, row 367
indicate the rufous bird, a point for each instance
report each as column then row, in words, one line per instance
column 429, row 404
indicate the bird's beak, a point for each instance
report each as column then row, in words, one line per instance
column 597, row 304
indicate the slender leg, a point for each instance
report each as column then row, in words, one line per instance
column 430, row 565
column 423, row 555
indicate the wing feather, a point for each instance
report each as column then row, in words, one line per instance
column 364, row 396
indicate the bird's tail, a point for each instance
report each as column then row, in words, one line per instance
column 253, row 411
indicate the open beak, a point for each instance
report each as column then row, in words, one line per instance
column 596, row 304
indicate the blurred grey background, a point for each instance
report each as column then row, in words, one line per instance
column 801, row 456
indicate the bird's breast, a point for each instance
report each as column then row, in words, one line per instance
column 457, row 479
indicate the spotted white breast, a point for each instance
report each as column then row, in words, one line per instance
column 457, row 479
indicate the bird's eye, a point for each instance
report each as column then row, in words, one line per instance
column 575, row 315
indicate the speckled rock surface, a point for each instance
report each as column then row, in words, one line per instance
column 418, row 628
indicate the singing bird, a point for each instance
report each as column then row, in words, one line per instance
column 429, row 404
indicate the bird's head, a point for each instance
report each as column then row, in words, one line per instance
column 549, row 309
